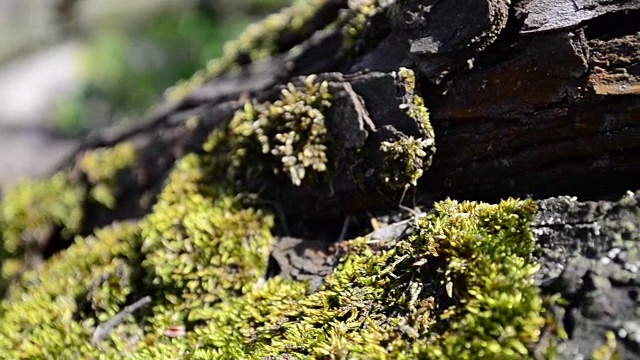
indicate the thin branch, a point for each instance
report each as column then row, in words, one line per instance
column 102, row 331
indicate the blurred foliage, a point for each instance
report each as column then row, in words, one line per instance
column 127, row 71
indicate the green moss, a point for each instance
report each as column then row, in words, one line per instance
column 407, row 157
column 287, row 137
column 199, row 245
column 358, row 21
column 609, row 350
column 412, row 103
column 197, row 248
column 42, row 316
column 497, row 309
column 459, row 286
column 40, row 209
column 404, row 160
column 259, row 40
column 102, row 166
column 31, row 210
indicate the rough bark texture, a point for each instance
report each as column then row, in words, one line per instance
column 534, row 98
column 590, row 257
column 548, row 108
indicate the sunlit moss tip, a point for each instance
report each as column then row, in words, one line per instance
column 102, row 166
column 288, row 136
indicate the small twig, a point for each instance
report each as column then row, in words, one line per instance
column 103, row 329
column 404, row 192
column 389, row 232
column 345, row 226
column 283, row 219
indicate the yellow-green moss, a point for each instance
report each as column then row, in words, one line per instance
column 40, row 209
column 609, row 350
column 407, row 157
column 287, row 137
column 259, row 40
column 412, row 103
column 404, row 160
column 358, row 18
column 42, row 317
column 497, row 310
column 197, row 248
column 30, row 210
column 199, row 245
column 102, row 166
column 459, row 286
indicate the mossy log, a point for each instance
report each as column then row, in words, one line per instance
column 528, row 99
column 232, row 203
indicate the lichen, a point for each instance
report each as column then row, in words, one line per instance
column 101, row 166
column 259, row 40
column 288, row 136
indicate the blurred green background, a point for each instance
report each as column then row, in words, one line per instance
column 126, row 67
column 69, row 67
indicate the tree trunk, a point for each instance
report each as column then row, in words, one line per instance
column 534, row 99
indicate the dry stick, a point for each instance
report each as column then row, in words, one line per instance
column 345, row 226
column 103, row 330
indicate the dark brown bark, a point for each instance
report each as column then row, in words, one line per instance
column 547, row 108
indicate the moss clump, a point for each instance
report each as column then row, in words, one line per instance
column 42, row 316
column 404, row 162
column 459, row 286
column 496, row 309
column 199, row 245
column 353, row 32
column 412, row 103
column 198, row 248
column 102, row 166
column 407, row 157
column 259, row 40
column 288, row 136
column 609, row 350
column 33, row 209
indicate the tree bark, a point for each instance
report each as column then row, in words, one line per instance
column 538, row 98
